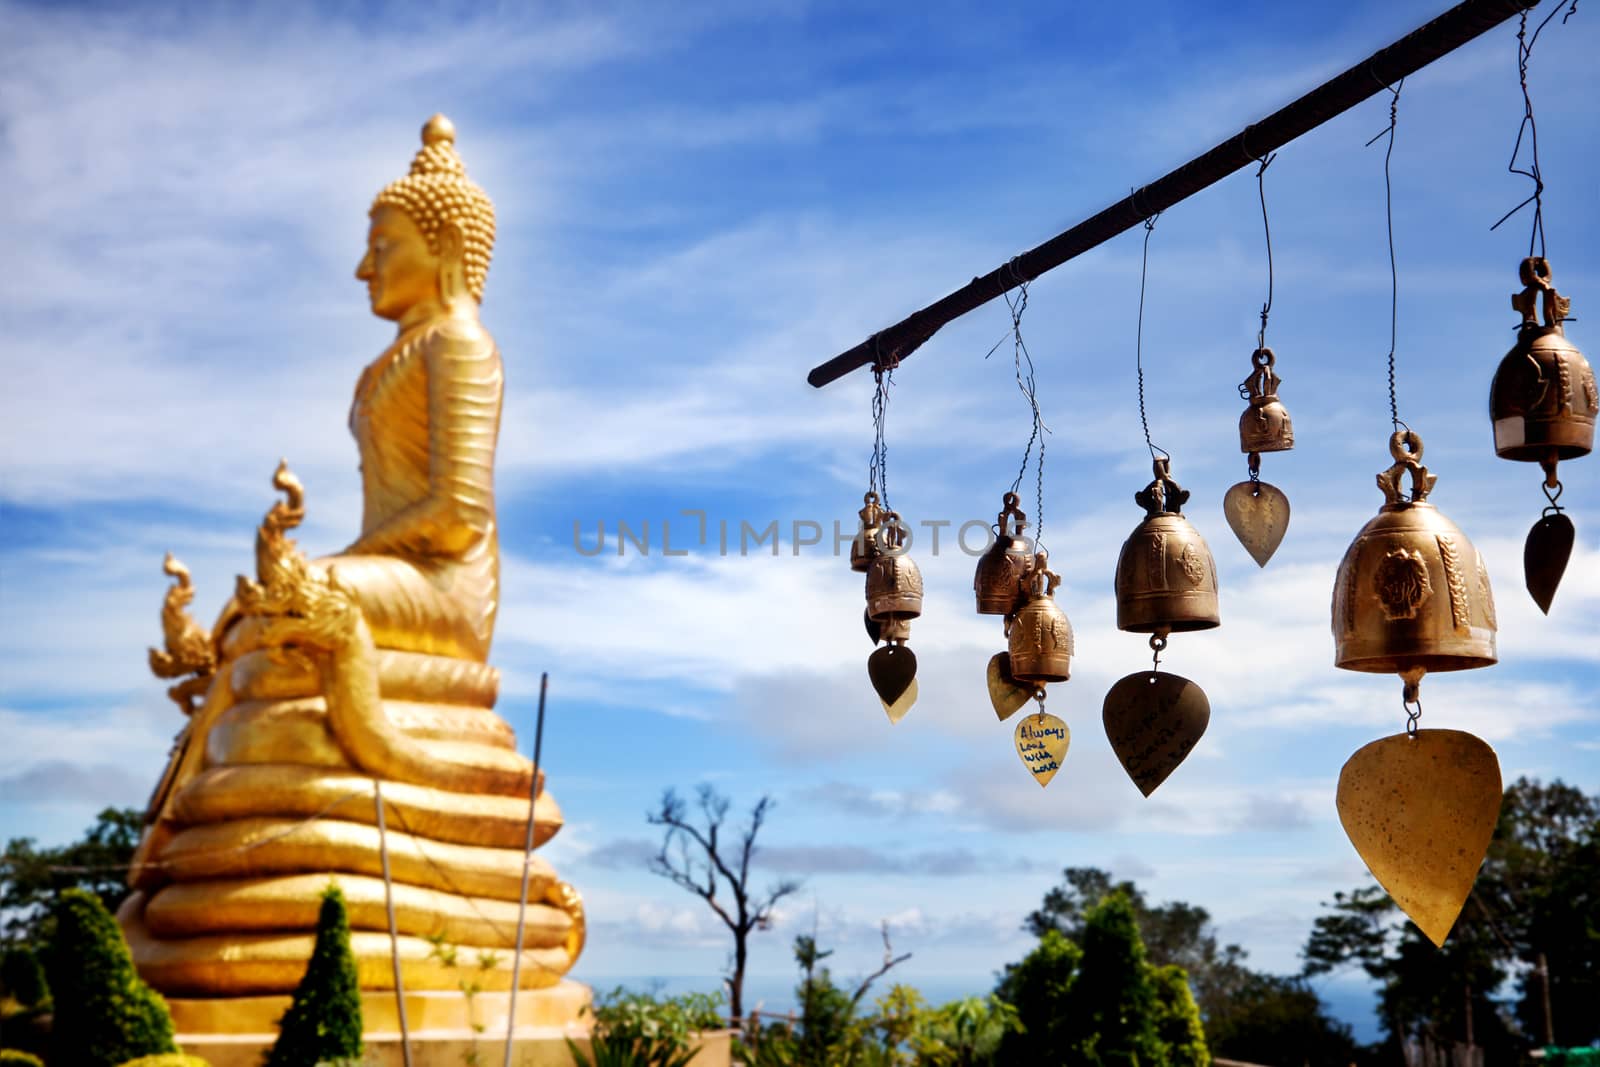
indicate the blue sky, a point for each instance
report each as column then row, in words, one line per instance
column 695, row 207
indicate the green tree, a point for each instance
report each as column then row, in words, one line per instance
column 23, row 977
column 1173, row 933
column 1277, row 1019
column 324, row 1018
column 31, row 877
column 964, row 1033
column 104, row 1014
column 1178, row 1023
column 1113, row 1000
column 1038, row 987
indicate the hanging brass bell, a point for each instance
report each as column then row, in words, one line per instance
column 894, row 584
column 1543, row 398
column 866, row 545
column 1166, row 579
column 1040, row 636
column 1412, row 593
column 1002, row 570
column 1265, row 425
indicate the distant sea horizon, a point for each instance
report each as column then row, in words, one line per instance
column 1352, row 1001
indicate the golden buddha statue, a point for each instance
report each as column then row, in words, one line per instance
column 330, row 687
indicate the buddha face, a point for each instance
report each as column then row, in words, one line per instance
column 400, row 270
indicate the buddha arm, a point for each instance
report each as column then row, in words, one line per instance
column 464, row 383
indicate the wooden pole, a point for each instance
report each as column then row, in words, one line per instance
column 1411, row 53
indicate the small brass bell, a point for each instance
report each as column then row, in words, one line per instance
column 894, row 583
column 1040, row 636
column 1412, row 593
column 1543, row 398
column 866, row 545
column 1166, row 579
column 1265, row 425
column 1002, row 570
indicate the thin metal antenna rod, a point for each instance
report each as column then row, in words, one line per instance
column 527, row 860
column 1411, row 53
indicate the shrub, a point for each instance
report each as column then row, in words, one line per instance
column 104, row 1014
column 637, row 1030
column 324, row 1019
column 22, row 977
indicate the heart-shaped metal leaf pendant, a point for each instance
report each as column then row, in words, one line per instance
column 898, row 709
column 1042, row 741
column 1005, row 692
column 1420, row 811
column 1258, row 514
column 1545, row 555
column 893, row 671
column 1153, row 721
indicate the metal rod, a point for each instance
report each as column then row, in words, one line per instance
column 527, row 860
column 1411, row 53
column 394, row 935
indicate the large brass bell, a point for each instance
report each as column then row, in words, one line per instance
column 1412, row 593
column 865, row 547
column 1040, row 637
column 1166, row 579
column 894, row 583
column 998, row 581
column 1265, row 425
column 1543, row 399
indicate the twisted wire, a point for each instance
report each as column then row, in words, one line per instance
column 1530, row 129
column 1138, row 345
column 1266, row 227
column 1394, row 276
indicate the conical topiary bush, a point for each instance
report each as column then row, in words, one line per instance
column 104, row 1014
column 324, row 1019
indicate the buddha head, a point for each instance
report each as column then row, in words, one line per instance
column 431, row 236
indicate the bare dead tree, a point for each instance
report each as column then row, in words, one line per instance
column 695, row 855
column 890, row 961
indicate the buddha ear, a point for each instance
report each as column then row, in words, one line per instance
column 452, row 270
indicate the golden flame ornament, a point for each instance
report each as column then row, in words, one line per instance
column 1166, row 582
column 1412, row 596
column 1542, row 403
column 1258, row 512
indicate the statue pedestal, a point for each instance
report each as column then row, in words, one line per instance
column 237, row 1031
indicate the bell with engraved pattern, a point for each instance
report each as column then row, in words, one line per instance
column 894, row 583
column 1543, row 399
column 1002, row 570
column 1412, row 594
column 1265, row 425
column 866, row 545
column 1040, row 636
column 1166, row 579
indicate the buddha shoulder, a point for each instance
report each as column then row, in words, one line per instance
column 458, row 337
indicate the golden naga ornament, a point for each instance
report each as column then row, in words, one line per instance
column 1412, row 596
column 1258, row 512
column 1542, row 403
column 1166, row 582
column 328, row 686
column 894, row 598
column 866, row 546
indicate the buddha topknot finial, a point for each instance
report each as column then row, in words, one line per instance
column 437, row 191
